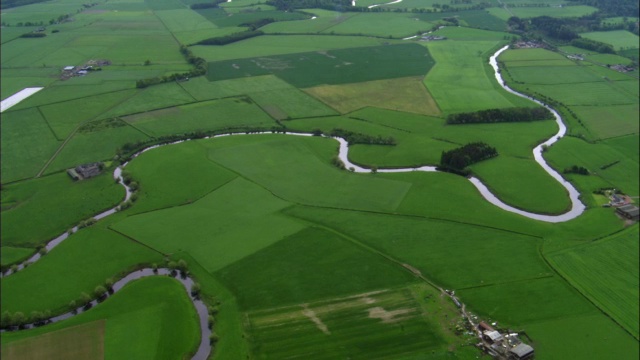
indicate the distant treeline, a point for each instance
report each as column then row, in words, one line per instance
column 501, row 115
column 5, row 4
column 286, row 5
column 253, row 25
column 593, row 45
column 614, row 7
column 457, row 160
column 224, row 40
column 208, row 5
column 33, row 35
column 359, row 138
column 200, row 68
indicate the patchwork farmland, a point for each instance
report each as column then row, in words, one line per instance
column 298, row 161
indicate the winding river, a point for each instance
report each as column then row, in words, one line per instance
column 577, row 207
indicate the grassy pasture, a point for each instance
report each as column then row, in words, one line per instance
column 239, row 18
column 479, row 19
column 241, row 3
column 530, row 55
column 445, row 252
column 609, row 59
column 357, row 327
column 550, row 198
column 331, row 67
column 14, row 80
column 27, row 143
column 552, row 11
column 278, row 45
column 86, row 147
column 619, row 39
column 230, row 113
column 164, row 4
column 157, row 307
column 548, row 75
column 10, row 255
column 460, row 81
column 397, row 25
column 55, row 203
column 324, row 20
column 64, row 117
column 469, row 34
column 324, row 266
column 609, row 121
column 154, row 97
column 593, row 94
column 183, row 20
column 290, row 104
column 299, row 170
column 572, row 151
column 628, row 145
column 225, row 226
column 405, row 94
column 169, row 190
column 85, row 341
column 518, row 303
column 606, row 271
column 40, row 11
column 77, row 265
column 587, row 336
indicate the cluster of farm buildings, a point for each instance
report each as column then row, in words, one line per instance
column 91, row 65
column 507, row 346
column 85, row 171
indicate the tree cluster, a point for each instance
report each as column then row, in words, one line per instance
column 256, row 24
column 575, row 169
column 593, row 45
column 224, row 40
column 518, row 114
column 458, row 159
column 359, row 138
column 33, row 35
column 288, row 5
column 209, row 5
column 614, row 7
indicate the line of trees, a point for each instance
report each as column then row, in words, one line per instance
column 209, row 5
column 457, row 160
column 359, row 138
column 593, row 45
column 228, row 39
column 518, row 114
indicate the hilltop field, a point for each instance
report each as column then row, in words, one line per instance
column 296, row 254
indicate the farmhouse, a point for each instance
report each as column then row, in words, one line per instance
column 521, row 352
column 85, row 171
column 493, row 336
column 629, row 211
column 68, row 68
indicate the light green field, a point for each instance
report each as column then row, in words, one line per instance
column 397, row 25
column 213, row 228
column 405, row 94
column 552, row 11
column 530, row 55
column 277, row 45
column 619, row 39
column 324, row 19
column 628, row 145
column 438, row 249
column 610, row 121
column 231, row 113
column 65, row 117
column 606, row 271
column 80, row 263
column 609, row 59
column 549, row 75
column 40, row 11
column 299, row 170
column 593, row 94
column 170, row 190
column 55, row 203
column 460, row 82
column 157, row 307
column 469, row 34
column 154, row 97
column 27, row 143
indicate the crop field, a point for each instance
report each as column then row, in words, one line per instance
column 606, row 272
column 619, row 39
column 156, row 307
column 405, row 94
column 552, row 11
column 356, row 327
column 230, row 113
column 294, row 254
column 330, row 67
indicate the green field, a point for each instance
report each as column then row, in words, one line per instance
column 296, row 256
column 606, row 272
column 157, row 307
column 619, row 39
column 330, row 67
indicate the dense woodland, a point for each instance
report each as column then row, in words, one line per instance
column 500, row 115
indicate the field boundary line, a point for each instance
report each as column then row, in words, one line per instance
column 48, row 124
column 507, row 282
column 138, row 129
column 78, row 98
column 136, row 241
column 423, row 217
